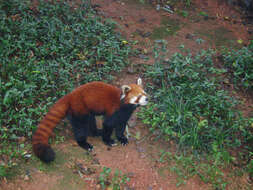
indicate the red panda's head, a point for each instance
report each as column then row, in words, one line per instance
column 134, row 94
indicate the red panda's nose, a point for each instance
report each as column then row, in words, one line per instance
column 146, row 99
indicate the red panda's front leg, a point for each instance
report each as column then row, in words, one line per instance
column 120, row 134
column 117, row 120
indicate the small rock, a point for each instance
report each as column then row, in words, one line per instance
column 150, row 188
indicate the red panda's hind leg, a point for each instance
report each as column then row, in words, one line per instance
column 81, row 130
column 108, row 126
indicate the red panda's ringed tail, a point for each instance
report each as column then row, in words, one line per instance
column 40, row 138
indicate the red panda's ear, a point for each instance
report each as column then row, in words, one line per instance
column 139, row 81
column 125, row 89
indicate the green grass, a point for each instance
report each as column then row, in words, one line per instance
column 45, row 52
column 169, row 27
column 240, row 66
column 115, row 181
column 190, row 107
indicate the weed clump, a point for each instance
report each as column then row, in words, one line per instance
column 240, row 65
column 46, row 50
column 190, row 107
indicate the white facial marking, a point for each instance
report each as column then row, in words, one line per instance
column 122, row 96
column 143, row 101
column 132, row 100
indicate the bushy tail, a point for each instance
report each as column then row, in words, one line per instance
column 41, row 148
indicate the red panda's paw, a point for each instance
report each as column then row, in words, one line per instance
column 123, row 140
column 85, row 145
column 109, row 142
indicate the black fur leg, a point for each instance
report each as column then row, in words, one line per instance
column 80, row 126
column 107, row 132
column 85, row 145
column 109, row 142
column 98, row 133
column 123, row 140
column 93, row 130
column 120, row 134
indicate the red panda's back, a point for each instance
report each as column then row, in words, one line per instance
column 97, row 97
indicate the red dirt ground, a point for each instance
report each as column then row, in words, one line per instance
column 138, row 160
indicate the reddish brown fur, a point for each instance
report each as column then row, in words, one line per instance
column 94, row 97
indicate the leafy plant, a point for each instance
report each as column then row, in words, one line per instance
column 183, row 13
column 190, row 107
column 240, row 64
column 104, row 177
column 45, row 51
column 2, row 171
column 115, row 182
column 201, row 13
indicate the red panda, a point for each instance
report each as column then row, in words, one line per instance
column 81, row 106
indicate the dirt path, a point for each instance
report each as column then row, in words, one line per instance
column 74, row 168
